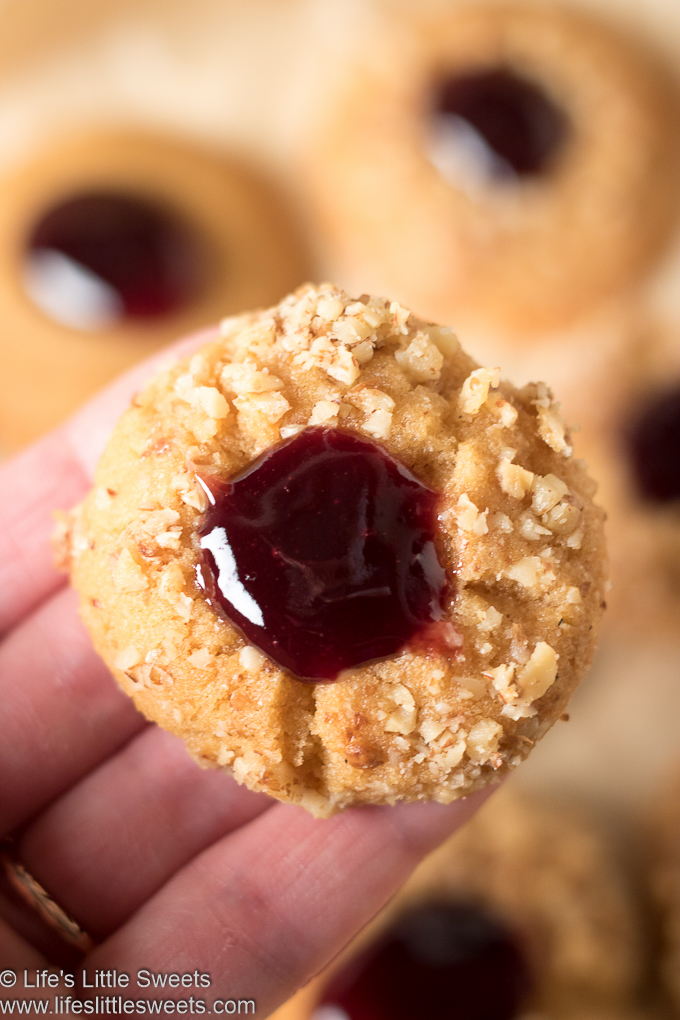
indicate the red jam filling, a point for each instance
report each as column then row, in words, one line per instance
column 322, row 552
column 142, row 255
column 515, row 118
column 654, row 448
column 441, row 961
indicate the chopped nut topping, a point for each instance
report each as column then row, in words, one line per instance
column 351, row 331
column 288, row 431
column 547, row 491
column 475, row 389
column 530, row 572
column 250, row 659
column 422, row 359
column 514, row 480
column 150, row 674
column 246, row 378
column 169, row 646
column 204, row 398
column 469, row 518
column 378, row 407
column 483, row 739
column 474, row 685
column 271, row 406
column 562, row 519
column 506, row 412
column 379, row 424
column 501, row 680
column 530, row 529
column 501, row 522
column 538, row 674
column 201, row 658
column 171, row 582
column 127, row 574
column 190, row 492
column 212, row 402
column 128, row 658
column 400, row 317
column 324, row 412
column 404, row 719
column 169, row 539
column 575, row 539
column 156, row 528
column 453, row 755
column 490, row 620
column 430, row 729
column 551, row 427
column 183, row 607
column 329, row 307
column 197, row 367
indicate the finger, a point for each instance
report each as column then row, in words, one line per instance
column 55, row 473
column 108, row 844
column 266, row 908
column 15, row 954
column 60, row 711
column 35, row 483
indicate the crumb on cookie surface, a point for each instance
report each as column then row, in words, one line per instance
column 518, row 530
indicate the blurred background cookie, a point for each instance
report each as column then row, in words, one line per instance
column 112, row 245
column 532, row 152
column 526, row 911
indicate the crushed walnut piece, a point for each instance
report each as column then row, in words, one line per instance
column 469, row 518
column 514, row 480
column 475, row 389
column 483, row 740
column 378, row 408
column 403, row 719
column 551, row 427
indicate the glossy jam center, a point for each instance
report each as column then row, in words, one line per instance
column 322, row 553
column 654, row 447
column 516, row 120
column 440, row 962
column 101, row 257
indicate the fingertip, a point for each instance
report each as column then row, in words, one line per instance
column 425, row 825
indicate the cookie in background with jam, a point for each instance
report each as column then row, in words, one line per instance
column 525, row 912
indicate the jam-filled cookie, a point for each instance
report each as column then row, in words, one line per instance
column 342, row 560
column 512, row 165
column 525, row 912
column 114, row 243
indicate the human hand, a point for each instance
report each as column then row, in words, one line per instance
column 167, row 867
